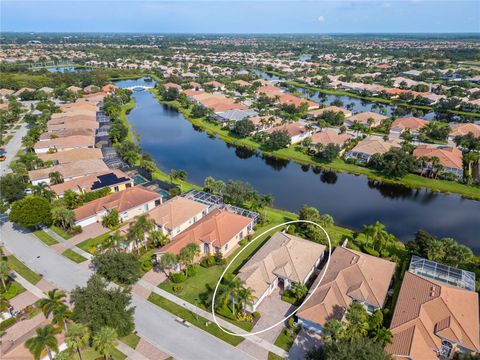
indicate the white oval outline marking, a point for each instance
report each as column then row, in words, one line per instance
column 324, row 270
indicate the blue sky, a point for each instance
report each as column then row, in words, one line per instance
column 268, row 16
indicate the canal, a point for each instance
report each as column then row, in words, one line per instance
column 352, row 200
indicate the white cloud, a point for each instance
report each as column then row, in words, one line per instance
column 321, row 18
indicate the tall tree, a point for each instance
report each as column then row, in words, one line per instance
column 77, row 337
column 44, row 342
column 104, row 341
column 4, row 273
column 55, row 299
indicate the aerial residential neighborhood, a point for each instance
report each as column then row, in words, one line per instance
column 215, row 180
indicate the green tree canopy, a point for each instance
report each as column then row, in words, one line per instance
column 31, row 212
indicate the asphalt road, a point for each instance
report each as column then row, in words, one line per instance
column 12, row 147
column 154, row 324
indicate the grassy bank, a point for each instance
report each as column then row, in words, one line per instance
column 338, row 165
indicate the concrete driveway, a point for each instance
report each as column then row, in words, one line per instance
column 305, row 341
column 272, row 310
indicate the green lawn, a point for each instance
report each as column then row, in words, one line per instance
column 90, row 245
column 131, row 340
column 23, row 270
column 199, row 321
column 60, row 232
column 45, row 238
column 285, row 339
column 272, row 356
column 13, row 289
column 72, row 255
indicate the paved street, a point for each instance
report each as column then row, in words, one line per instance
column 12, row 147
column 152, row 323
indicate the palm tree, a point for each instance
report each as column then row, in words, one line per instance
column 44, row 341
column 189, row 253
column 435, row 161
column 423, row 163
column 357, row 320
column 469, row 159
column 139, row 229
column 55, row 178
column 158, row 238
column 4, row 304
column 266, row 200
column 368, row 231
column 167, row 262
column 4, row 273
column 63, row 216
column 54, row 299
column 246, row 298
column 333, row 331
column 383, row 336
column 39, row 189
column 104, row 341
column 77, row 337
column 61, row 314
column 378, row 233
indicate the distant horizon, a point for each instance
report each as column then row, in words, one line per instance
column 239, row 33
column 242, row 17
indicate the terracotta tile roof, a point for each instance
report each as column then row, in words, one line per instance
column 70, row 170
column 75, row 141
column 70, row 117
column 5, row 92
column 363, row 117
column 241, row 83
column 427, row 311
column 214, row 84
column 290, row 99
column 330, row 136
column 176, row 212
column 68, row 132
column 109, row 87
column 193, row 93
column 351, row 274
column 217, row 229
column 121, row 201
column 73, row 155
column 286, row 255
column 411, row 122
column 293, row 129
column 372, row 145
column 172, row 85
column 318, row 112
column 93, row 182
column 83, row 124
column 464, row 129
column 449, row 156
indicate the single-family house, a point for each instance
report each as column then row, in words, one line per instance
column 68, row 156
column 351, row 276
column 216, row 85
column 129, row 203
column 369, row 146
column 116, row 180
column 172, row 86
column 435, row 317
column 282, row 261
column 69, row 171
column 330, row 136
column 235, row 115
column 64, row 143
column 461, row 129
column 367, row 119
column 411, row 123
column 218, row 232
column 318, row 112
column 74, row 89
column 449, row 157
column 177, row 214
column 295, row 130
column 66, row 133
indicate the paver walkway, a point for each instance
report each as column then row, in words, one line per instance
column 131, row 353
column 268, row 346
column 67, row 244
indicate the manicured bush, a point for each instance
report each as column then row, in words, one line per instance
column 218, row 258
column 147, row 265
column 243, row 242
column 208, row 261
column 256, row 315
column 178, row 277
column 192, row 270
column 177, row 288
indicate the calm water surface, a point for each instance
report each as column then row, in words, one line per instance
column 352, row 200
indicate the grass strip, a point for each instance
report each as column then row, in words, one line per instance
column 72, row 255
column 20, row 268
column 193, row 319
column 45, row 238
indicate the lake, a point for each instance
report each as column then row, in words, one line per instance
column 352, row 200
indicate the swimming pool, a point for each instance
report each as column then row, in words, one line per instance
column 139, row 180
